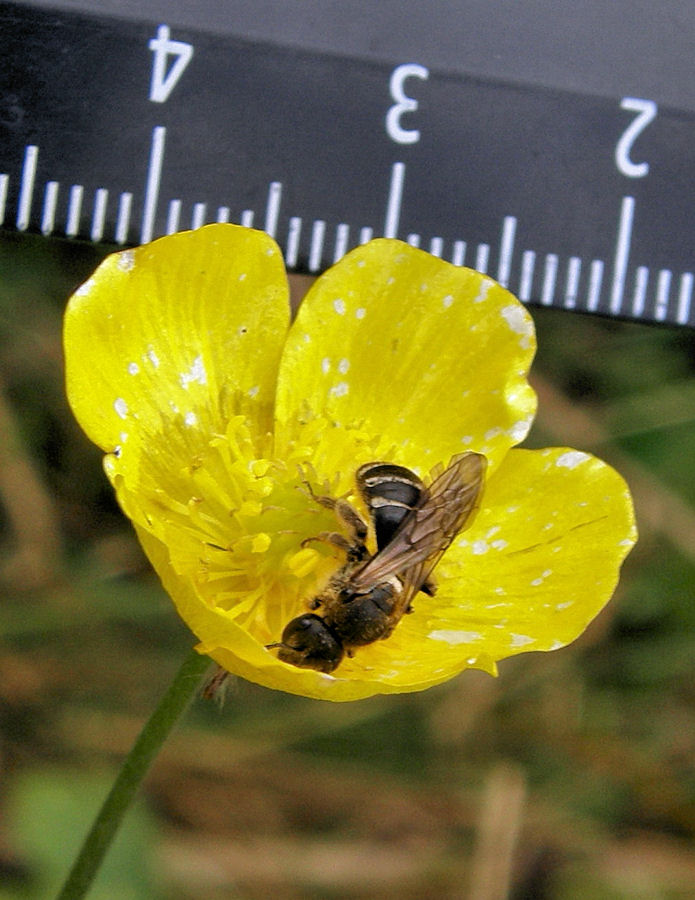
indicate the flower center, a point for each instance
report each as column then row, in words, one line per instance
column 234, row 521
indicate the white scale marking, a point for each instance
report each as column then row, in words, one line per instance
column 684, row 297
column 272, row 209
column 638, row 298
column 292, row 251
column 413, row 240
column 366, row 234
column 663, row 287
column 50, row 202
column 101, row 198
column 437, row 246
column 595, row 279
column 125, row 208
column 506, row 250
column 458, row 256
column 72, row 227
column 342, row 234
column 222, row 214
column 622, row 252
column 4, row 184
column 198, row 215
column 574, row 268
column 26, row 189
column 154, row 176
column 247, row 218
column 393, row 206
column 528, row 264
column 549, row 278
column 482, row 257
column 173, row 216
column 318, row 232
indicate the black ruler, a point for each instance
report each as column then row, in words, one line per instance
column 547, row 143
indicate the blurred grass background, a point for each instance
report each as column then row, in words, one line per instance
column 571, row 776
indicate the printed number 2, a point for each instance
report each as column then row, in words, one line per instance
column 163, row 47
column 647, row 110
column 403, row 103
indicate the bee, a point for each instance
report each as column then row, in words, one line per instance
column 367, row 597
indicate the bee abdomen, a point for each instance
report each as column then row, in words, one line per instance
column 361, row 619
column 390, row 492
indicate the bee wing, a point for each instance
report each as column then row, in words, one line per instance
column 426, row 532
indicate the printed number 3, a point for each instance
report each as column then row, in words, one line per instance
column 403, row 103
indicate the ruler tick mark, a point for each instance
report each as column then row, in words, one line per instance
column 48, row 213
column 272, row 209
column 154, row 176
column 223, row 214
column 4, row 184
column 595, row 279
column 293, row 233
column 684, row 296
column 549, row 277
column 437, row 246
column 622, row 252
column 366, row 234
column 528, row 264
column 198, row 215
column 342, row 234
column 638, row 298
column 482, row 257
column 663, row 287
column 458, row 255
column 574, row 268
column 173, row 216
column 72, row 226
column 413, row 240
column 125, row 205
column 26, row 189
column 101, row 198
column 506, row 250
column 393, row 206
column 247, row 218
column 316, row 249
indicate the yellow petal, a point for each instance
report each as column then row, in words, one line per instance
column 408, row 358
column 187, row 328
column 540, row 561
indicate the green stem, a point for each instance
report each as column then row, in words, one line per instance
column 170, row 709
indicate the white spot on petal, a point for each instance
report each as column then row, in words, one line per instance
column 455, row 637
column 519, row 430
column 325, row 365
column 190, row 419
column 492, row 433
column 242, row 276
column 479, row 548
column 196, row 373
column 571, row 459
column 485, row 286
column 340, row 389
column 447, row 301
column 515, row 316
column 85, row 288
column 153, row 358
column 360, row 312
column 133, row 368
column 344, row 366
column 121, row 407
column 126, row 260
column 565, row 605
column 253, row 391
column 499, row 544
column 521, row 640
column 339, row 306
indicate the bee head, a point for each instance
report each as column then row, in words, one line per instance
column 309, row 643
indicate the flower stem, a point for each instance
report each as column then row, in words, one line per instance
column 169, row 710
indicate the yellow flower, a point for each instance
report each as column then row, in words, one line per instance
column 213, row 410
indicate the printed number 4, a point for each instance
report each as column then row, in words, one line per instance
column 163, row 81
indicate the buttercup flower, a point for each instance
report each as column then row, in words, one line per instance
column 218, row 418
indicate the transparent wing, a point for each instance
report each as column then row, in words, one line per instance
column 443, row 511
